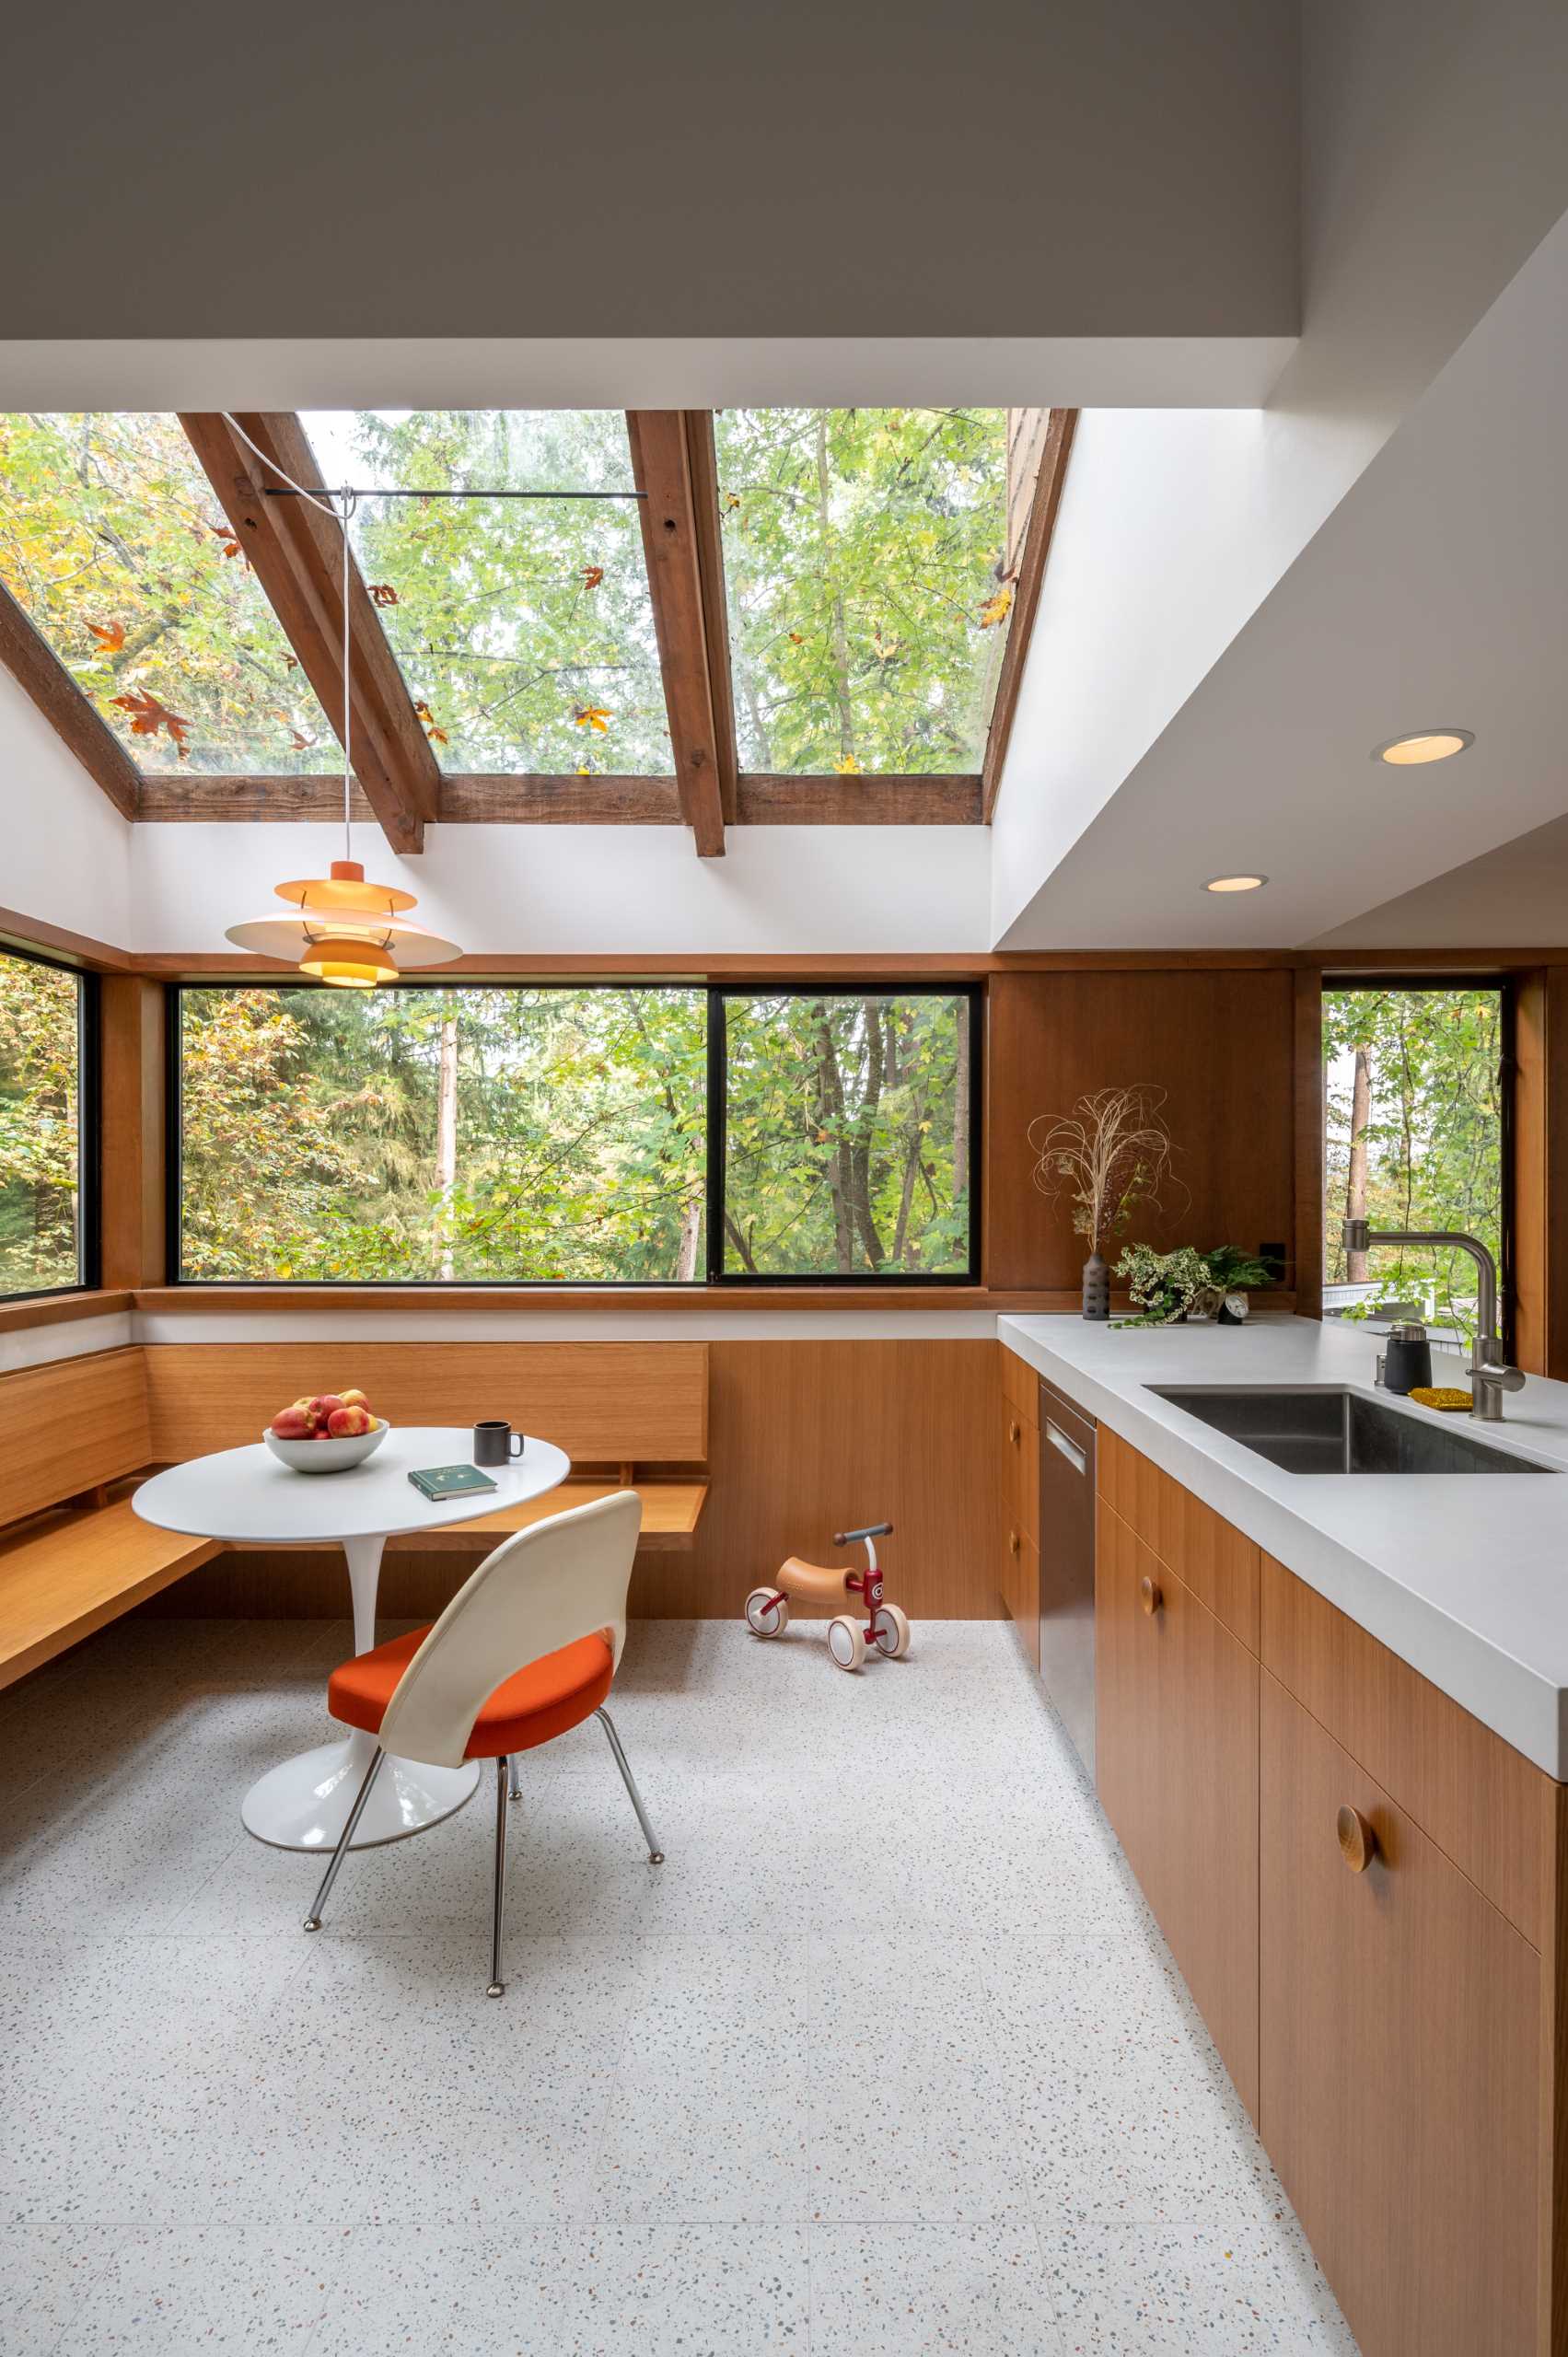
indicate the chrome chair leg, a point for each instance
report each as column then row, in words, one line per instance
column 656, row 1855
column 516, row 1785
column 313, row 1921
column 498, row 1927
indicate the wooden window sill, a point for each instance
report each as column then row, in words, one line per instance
column 59, row 1309
column 200, row 1300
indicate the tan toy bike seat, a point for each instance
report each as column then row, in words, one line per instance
column 817, row 1582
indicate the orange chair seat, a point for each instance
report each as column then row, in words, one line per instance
column 551, row 1695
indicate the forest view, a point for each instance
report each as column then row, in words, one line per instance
column 561, row 1135
column 39, row 1071
column 1414, row 1139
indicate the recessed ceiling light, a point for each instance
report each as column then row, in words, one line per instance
column 1424, row 745
column 1234, row 883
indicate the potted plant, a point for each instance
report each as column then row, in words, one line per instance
column 1186, row 1284
column 1110, row 1154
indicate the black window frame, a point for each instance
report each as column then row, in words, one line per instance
column 971, row 994
column 89, row 1128
column 1506, row 986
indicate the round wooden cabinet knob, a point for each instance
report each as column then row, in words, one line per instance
column 1014, row 1434
column 1358, row 1843
column 1150, row 1591
column 1014, row 1542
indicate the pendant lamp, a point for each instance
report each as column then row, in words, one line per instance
column 347, row 932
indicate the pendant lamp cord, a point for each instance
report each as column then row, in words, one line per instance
column 340, row 516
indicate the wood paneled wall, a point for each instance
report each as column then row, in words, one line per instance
column 805, row 1438
column 1222, row 1044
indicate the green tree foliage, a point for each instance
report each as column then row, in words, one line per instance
column 109, row 532
column 846, row 1135
column 561, row 1135
column 861, row 551
column 523, row 627
column 1419, row 1144
column 38, row 1166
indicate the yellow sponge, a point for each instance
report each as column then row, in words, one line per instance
column 1427, row 1395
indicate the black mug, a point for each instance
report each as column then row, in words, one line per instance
column 495, row 1442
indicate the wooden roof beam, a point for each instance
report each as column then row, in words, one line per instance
column 68, row 709
column 296, row 552
column 680, row 545
column 1054, row 449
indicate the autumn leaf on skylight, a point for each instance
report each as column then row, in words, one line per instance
column 996, row 608
column 148, row 715
column 592, row 716
column 111, row 636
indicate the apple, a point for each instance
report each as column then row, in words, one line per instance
column 347, row 1423
column 324, row 1406
column 353, row 1400
column 291, row 1423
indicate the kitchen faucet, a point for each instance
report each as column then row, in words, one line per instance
column 1489, row 1374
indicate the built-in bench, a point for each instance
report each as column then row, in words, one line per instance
column 73, row 1554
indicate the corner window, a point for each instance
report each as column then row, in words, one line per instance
column 1416, row 1138
column 620, row 1135
column 47, row 1229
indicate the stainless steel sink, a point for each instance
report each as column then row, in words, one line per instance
column 1305, row 1431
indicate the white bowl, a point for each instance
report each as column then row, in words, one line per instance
column 327, row 1456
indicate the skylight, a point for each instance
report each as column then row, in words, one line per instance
column 113, row 544
column 523, row 628
column 864, row 553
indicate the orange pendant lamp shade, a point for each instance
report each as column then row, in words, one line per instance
column 348, row 933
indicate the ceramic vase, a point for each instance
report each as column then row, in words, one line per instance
column 1097, row 1288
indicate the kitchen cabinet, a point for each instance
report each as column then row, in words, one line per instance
column 1400, row 2051
column 1176, row 1763
column 1019, row 1441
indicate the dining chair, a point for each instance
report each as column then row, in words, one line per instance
column 552, row 1601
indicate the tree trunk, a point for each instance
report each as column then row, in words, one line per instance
column 686, row 1257
column 1355, row 1173
column 831, row 1108
column 860, row 1148
column 447, row 1137
column 741, row 1245
column 962, row 1106
column 829, row 570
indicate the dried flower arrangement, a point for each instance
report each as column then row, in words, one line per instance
column 1108, row 1156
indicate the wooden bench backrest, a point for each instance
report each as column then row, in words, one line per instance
column 68, row 1426
column 604, row 1403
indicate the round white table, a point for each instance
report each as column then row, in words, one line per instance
column 247, row 1496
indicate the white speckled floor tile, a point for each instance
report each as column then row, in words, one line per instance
column 46, row 2273
column 929, row 2291
column 702, row 2290
column 1191, row 2292
column 707, row 2121
column 447, row 2290
column 893, row 2001
column 182, row 2292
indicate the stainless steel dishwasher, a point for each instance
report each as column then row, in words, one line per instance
column 1067, row 1566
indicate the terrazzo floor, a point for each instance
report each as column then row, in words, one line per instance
column 889, row 2057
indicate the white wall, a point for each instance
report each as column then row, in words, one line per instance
column 65, row 849
column 621, row 890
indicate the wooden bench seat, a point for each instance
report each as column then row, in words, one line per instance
column 74, row 1571
column 72, row 1557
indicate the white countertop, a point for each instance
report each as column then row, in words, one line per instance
column 1464, row 1576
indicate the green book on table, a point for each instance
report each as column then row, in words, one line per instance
column 439, row 1481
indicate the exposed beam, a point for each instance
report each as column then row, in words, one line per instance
column 860, row 801
column 1057, row 444
column 569, row 800
column 296, row 552
column 661, row 465
column 702, row 458
column 37, row 671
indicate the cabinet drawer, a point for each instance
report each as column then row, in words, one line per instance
column 1400, row 2051
column 1214, row 1560
column 1020, row 1587
column 1020, row 1385
column 1477, row 1797
column 1176, row 1762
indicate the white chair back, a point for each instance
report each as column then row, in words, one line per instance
column 564, row 1579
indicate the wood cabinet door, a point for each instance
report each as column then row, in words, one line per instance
column 1400, row 2051
column 1176, row 1762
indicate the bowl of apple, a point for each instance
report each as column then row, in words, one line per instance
column 326, row 1431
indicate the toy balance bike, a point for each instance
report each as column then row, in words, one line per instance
column 887, row 1630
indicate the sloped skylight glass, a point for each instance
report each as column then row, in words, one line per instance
column 113, row 544
column 523, row 627
column 864, row 556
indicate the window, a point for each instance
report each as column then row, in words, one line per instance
column 47, row 1229
column 113, row 542
column 847, row 1139
column 560, row 1135
column 1416, row 1138
column 867, row 558
column 523, row 628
